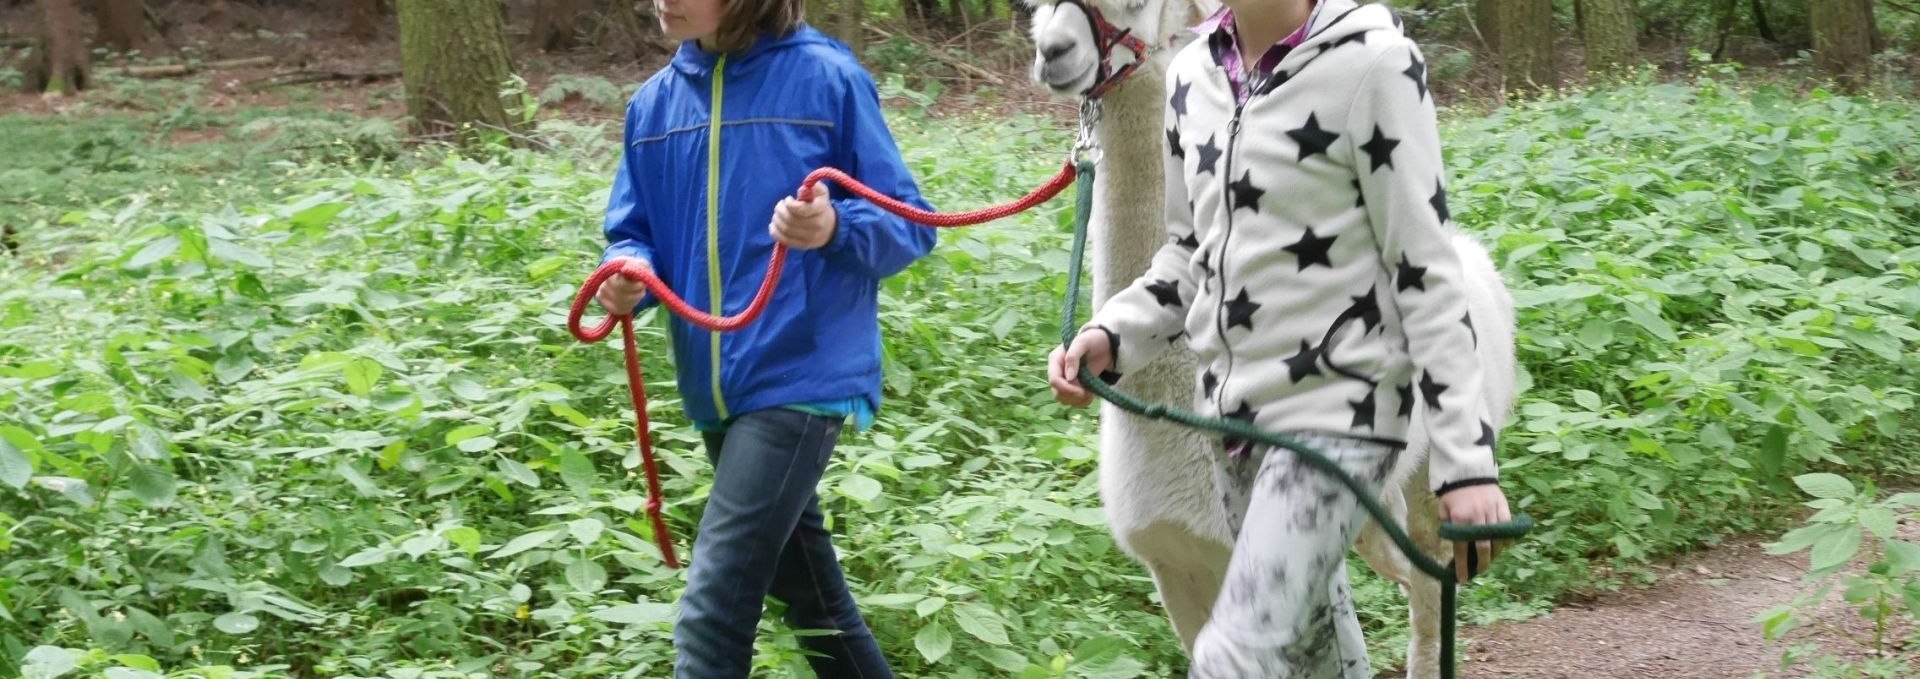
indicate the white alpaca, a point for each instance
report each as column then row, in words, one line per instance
column 1156, row 478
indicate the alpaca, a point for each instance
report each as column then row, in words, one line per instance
column 1156, row 481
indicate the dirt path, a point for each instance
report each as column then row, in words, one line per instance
column 1695, row 623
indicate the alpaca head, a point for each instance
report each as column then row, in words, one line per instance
column 1067, row 48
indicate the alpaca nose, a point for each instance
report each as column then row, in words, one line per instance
column 1055, row 50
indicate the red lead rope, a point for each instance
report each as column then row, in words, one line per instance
column 636, row 385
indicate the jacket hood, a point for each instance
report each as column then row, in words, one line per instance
column 692, row 61
column 1337, row 21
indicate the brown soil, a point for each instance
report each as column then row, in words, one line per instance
column 1696, row 622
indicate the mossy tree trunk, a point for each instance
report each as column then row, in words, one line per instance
column 454, row 59
column 1611, row 35
column 59, row 63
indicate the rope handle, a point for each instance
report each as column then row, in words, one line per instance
column 1513, row 529
column 636, row 380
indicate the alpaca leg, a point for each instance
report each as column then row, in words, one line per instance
column 1187, row 571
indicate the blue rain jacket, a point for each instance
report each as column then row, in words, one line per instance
column 712, row 143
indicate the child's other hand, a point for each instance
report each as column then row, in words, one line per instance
column 619, row 294
column 804, row 226
column 1475, row 505
column 1063, row 366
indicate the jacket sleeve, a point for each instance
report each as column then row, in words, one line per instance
column 1144, row 318
column 865, row 236
column 1395, row 142
column 626, row 228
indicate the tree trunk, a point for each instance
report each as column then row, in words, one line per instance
column 453, row 57
column 219, row 18
column 59, row 63
column 1611, row 36
column 1526, row 39
column 1843, row 40
column 123, row 24
column 363, row 19
column 1761, row 23
column 556, row 24
column 850, row 29
column 1486, row 17
column 642, row 32
column 957, row 13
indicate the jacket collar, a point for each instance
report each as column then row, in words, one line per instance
column 692, row 61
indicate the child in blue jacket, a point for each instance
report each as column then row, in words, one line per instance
column 716, row 143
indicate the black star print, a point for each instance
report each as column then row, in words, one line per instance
column 1360, row 197
column 1305, row 364
column 1410, row 276
column 1486, row 435
column 1273, row 82
column 1363, row 411
column 1244, row 413
column 1179, row 99
column 1312, row 250
column 1360, row 37
column 1244, row 193
column 1209, row 156
column 1406, row 399
column 1380, row 149
column 1209, row 382
column 1397, row 23
column 1418, row 72
column 1312, row 138
column 1367, row 307
column 1439, row 202
column 1240, row 310
column 1167, row 293
column 1191, row 242
column 1468, row 319
column 1173, row 144
column 1430, row 390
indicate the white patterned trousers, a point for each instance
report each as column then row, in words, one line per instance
column 1285, row 611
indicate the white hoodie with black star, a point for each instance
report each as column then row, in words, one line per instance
column 1307, row 263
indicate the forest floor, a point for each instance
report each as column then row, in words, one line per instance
column 1696, row 621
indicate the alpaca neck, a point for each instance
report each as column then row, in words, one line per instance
column 1128, row 221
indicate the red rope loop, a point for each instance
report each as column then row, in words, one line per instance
column 636, row 385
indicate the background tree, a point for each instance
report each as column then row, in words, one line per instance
column 454, row 59
column 1844, row 40
column 1523, row 42
column 123, row 24
column 556, row 24
column 1612, row 37
column 363, row 18
column 59, row 63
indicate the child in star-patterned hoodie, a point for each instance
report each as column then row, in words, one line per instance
column 1309, row 269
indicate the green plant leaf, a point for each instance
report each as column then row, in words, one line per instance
column 861, row 488
column 982, row 623
column 635, row 614
column 362, row 373
column 367, row 557
column 892, row 600
column 1903, row 557
column 525, row 542
column 467, row 539
column 586, row 531
column 15, row 466
column 933, row 641
column 152, row 485
column 585, row 576
column 1835, row 550
column 512, row 469
column 236, row 623
column 466, row 432
column 1880, row 521
column 1824, row 485
column 49, row 662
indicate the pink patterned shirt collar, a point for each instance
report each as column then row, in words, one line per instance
column 1231, row 59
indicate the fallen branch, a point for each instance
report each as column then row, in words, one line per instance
column 957, row 64
column 177, row 70
column 306, row 77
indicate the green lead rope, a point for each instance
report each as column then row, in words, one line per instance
column 1519, row 526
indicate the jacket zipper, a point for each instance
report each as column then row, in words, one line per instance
column 715, row 291
column 1220, row 313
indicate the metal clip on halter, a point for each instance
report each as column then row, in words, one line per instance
column 1086, row 149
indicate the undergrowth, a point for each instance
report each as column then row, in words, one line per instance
column 329, row 423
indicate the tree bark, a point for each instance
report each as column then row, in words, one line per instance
column 850, row 29
column 1761, row 23
column 1843, row 40
column 59, row 63
column 123, row 24
column 556, row 24
column 1611, row 35
column 454, row 59
column 219, row 17
column 1486, row 17
column 1525, row 30
column 363, row 19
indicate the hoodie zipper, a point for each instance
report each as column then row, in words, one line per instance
column 1220, row 313
column 715, row 291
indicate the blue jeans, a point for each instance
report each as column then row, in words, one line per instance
column 763, row 534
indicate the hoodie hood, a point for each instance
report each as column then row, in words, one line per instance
column 694, row 62
column 1335, row 22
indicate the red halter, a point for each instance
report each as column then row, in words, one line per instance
column 1106, row 37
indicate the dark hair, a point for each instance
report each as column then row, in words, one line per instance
column 744, row 20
